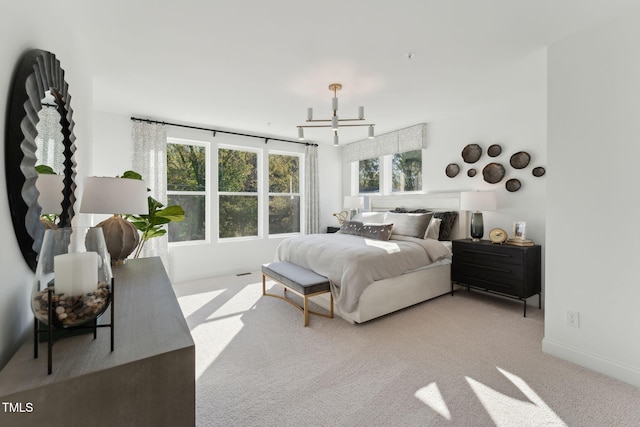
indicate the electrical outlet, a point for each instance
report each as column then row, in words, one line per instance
column 573, row 318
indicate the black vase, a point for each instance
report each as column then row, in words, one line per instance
column 477, row 226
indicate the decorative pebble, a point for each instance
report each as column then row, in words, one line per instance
column 72, row 310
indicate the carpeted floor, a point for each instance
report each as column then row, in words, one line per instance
column 467, row 360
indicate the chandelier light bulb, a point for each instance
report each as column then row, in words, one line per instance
column 334, row 123
column 361, row 113
column 335, row 139
column 309, row 114
column 301, row 134
column 371, row 132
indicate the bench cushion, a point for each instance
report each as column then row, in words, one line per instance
column 297, row 278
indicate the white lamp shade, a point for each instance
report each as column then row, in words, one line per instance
column 478, row 201
column 50, row 188
column 105, row 195
column 353, row 202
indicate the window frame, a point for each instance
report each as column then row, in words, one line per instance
column 300, row 194
column 258, row 192
column 205, row 193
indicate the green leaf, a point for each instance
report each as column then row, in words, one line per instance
column 154, row 233
column 132, row 175
column 172, row 213
column 45, row 170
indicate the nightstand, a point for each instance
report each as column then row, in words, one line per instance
column 507, row 270
column 333, row 229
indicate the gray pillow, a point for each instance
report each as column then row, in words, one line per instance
column 351, row 227
column 378, row 232
column 408, row 224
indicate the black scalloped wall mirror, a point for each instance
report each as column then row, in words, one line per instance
column 39, row 131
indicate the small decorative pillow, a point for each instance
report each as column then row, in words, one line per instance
column 409, row 224
column 378, row 232
column 433, row 229
column 446, row 226
column 351, row 227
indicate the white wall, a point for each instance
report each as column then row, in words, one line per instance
column 592, row 250
column 517, row 121
column 112, row 156
column 20, row 30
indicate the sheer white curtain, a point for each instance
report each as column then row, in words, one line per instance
column 311, row 191
column 149, row 159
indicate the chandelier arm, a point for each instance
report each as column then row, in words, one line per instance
column 328, row 126
column 340, row 120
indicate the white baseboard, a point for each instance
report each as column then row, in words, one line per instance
column 620, row 372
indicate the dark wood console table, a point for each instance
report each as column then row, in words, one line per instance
column 148, row 380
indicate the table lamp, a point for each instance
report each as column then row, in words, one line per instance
column 117, row 196
column 352, row 204
column 477, row 201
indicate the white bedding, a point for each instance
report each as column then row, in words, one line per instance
column 352, row 262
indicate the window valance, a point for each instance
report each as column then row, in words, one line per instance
column 399, row 141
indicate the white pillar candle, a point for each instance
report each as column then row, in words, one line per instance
column 76, row 273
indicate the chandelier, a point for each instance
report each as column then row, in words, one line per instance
column 335, row 121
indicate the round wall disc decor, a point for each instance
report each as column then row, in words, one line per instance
column 452, row 170
column 471, row 153
column 494, row 150
column 493, row 173
column 471, row 173
column 520, row 160
column 513, row 185
column 538, row 171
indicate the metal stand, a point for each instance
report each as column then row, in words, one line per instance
column 49, row 330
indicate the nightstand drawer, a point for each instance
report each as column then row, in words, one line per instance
column 505, row 281
column 488, row 253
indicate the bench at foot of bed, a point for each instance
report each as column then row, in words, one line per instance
column 300, row 281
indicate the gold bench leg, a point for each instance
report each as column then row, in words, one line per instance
column 306, row 311
column 331, row 299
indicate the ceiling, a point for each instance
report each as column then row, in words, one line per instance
column 255, row 66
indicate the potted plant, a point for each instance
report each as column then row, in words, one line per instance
column 152, row 224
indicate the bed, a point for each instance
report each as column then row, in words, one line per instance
column 412, row 277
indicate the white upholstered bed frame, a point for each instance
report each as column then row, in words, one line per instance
column 389, row 295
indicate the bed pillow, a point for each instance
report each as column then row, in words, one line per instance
column 351, row 227
column 408, row 224
column 433, row 229
column 446, row 226
column 369, row 217
column 377, row 231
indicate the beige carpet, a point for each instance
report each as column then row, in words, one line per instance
column 467, row 360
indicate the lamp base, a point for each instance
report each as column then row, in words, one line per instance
column 121, row 238
column 477, row 226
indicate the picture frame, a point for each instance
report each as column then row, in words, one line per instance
column 519, row 230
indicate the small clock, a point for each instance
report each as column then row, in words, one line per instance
column 498, row 235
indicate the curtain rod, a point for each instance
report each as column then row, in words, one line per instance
column 266, row 139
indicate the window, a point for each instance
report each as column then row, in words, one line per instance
column 237, row 193
column 369, row 176
column 394, row 173
column 406, row 171
column 186, row 186
column 284, row 194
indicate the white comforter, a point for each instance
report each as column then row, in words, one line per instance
column 352, row 262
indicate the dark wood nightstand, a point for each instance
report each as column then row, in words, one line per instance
column 333, row 229
column 508, row 270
